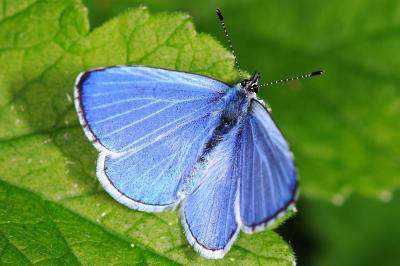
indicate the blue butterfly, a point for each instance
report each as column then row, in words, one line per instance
column 169, row 138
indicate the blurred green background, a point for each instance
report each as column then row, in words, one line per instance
column 343, row 127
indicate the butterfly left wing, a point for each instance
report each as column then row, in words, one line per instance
column 150, row 126
column 125, row 107
column 268, row 177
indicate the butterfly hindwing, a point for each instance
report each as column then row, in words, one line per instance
column 208, row 213
column 150, row 126
column 268, row 177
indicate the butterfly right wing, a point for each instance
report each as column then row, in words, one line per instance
column 268, row 177
column 248, row 179
column 150, row 126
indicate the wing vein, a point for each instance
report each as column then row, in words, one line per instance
column 168, row 132
column 126, row 112
column 256, row 148
column 138, row 121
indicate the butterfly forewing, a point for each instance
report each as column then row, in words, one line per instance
column 268, row 178
column 150, row 126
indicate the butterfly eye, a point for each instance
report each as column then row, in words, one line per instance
column 254, row 88
column 244, row 82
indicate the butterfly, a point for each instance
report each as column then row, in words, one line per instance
column 167, row 138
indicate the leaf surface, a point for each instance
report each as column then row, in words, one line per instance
column 53, row 209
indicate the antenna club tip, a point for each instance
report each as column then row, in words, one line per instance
column 318, row 73
column 219, row 14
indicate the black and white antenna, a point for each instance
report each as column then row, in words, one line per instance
column 315, row 73
column 221, row 19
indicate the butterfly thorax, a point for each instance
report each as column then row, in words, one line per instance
column 237, row 101
column 236, row 106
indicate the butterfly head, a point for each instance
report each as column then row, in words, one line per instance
column 251, row 85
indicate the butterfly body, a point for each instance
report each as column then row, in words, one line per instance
column 169, row 138
column 236, row 103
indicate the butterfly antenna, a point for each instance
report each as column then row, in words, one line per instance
column 315, row 73
column 221, row 19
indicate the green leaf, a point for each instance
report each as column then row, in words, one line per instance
column 52, row 207
column 344, row 126
column 36, row 231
